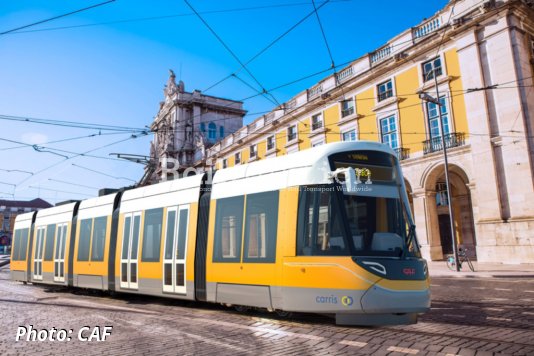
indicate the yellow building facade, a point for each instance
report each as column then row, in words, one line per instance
column 482, row 55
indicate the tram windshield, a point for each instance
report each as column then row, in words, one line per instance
column 371, row 221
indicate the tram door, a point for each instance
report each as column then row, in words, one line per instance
column 38, row 257
column 130, row 251
column 175, row 250
column 59, row 253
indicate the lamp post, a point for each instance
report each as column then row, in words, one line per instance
column 425, row 97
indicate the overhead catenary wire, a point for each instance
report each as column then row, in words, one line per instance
column 44, row 149
column 170, row 16
column 59, row 191
column 70, row 183
column 102, row 173
column 73, row 124
column 56, row 17
column 232, row 53
column 334, row 100
column 272, row 43
column 85, row 154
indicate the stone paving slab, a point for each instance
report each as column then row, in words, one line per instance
column 463, row 321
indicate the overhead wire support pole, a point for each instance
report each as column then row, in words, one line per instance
column 447, row 180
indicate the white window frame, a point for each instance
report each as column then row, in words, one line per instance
column 253, row 151
column 425, row 84
column 296, row 134
column 393, row 93
column 433, row 59
column 443, row 92
column 397, row 128
column 345, row 117
column 348, row 131
column 267, row 143
column 225, row 163
column 320, row 120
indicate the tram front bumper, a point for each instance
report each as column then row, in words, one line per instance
column 381, row 300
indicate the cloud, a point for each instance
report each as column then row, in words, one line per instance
column 34, row 138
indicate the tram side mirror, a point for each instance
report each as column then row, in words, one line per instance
column 350, row 178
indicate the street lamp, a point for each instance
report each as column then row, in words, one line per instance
column 426, row 97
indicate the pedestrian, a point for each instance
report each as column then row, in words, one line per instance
column 3, row 245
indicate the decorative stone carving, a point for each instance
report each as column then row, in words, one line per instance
column 171, row 88
column 200, row 144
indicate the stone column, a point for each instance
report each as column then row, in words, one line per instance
column 478, row 120
column 426, row 222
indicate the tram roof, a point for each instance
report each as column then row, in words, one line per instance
column 300, row 168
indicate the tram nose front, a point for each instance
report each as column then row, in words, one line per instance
column 403, row 288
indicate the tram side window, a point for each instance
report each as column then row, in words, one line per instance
column 49, row 246
column 320, row 229
column 182, row 230
column 261, row 222
column 152, row 235
column 16, row 246
column 99, row 239
column 85, row 239
column 228, row 229
column 23, row 244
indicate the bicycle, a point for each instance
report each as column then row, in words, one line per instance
column 462, row 257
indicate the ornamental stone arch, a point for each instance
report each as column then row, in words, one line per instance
column 438, row 231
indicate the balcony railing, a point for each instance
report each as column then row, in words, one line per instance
column 344, row 74
column 315, row 91
column 453, row 139
column 426, row 28
column 402, row 153
column 380, row 54
column 269, row 117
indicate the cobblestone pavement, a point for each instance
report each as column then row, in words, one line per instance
column 468, row 317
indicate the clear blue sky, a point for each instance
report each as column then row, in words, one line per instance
column 114, row 72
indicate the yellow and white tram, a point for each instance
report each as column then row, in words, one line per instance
column 326, row 230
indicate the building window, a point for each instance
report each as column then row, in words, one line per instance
column 388, row 129
column 317, row 121
column 347, row 107
column 349, row 135
column 431, row 68
column 433, row 118
column 238, row 158
column 318, row 143
column 152, row 235
column 441, row 194
column 270, row 143
column 225, row 163
column 202, row 127
column 253, row 151
column 212, row 131
column 221, row 131
column 228, row 230
column 385, row 90
column 291, row 133
column 261, row 222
